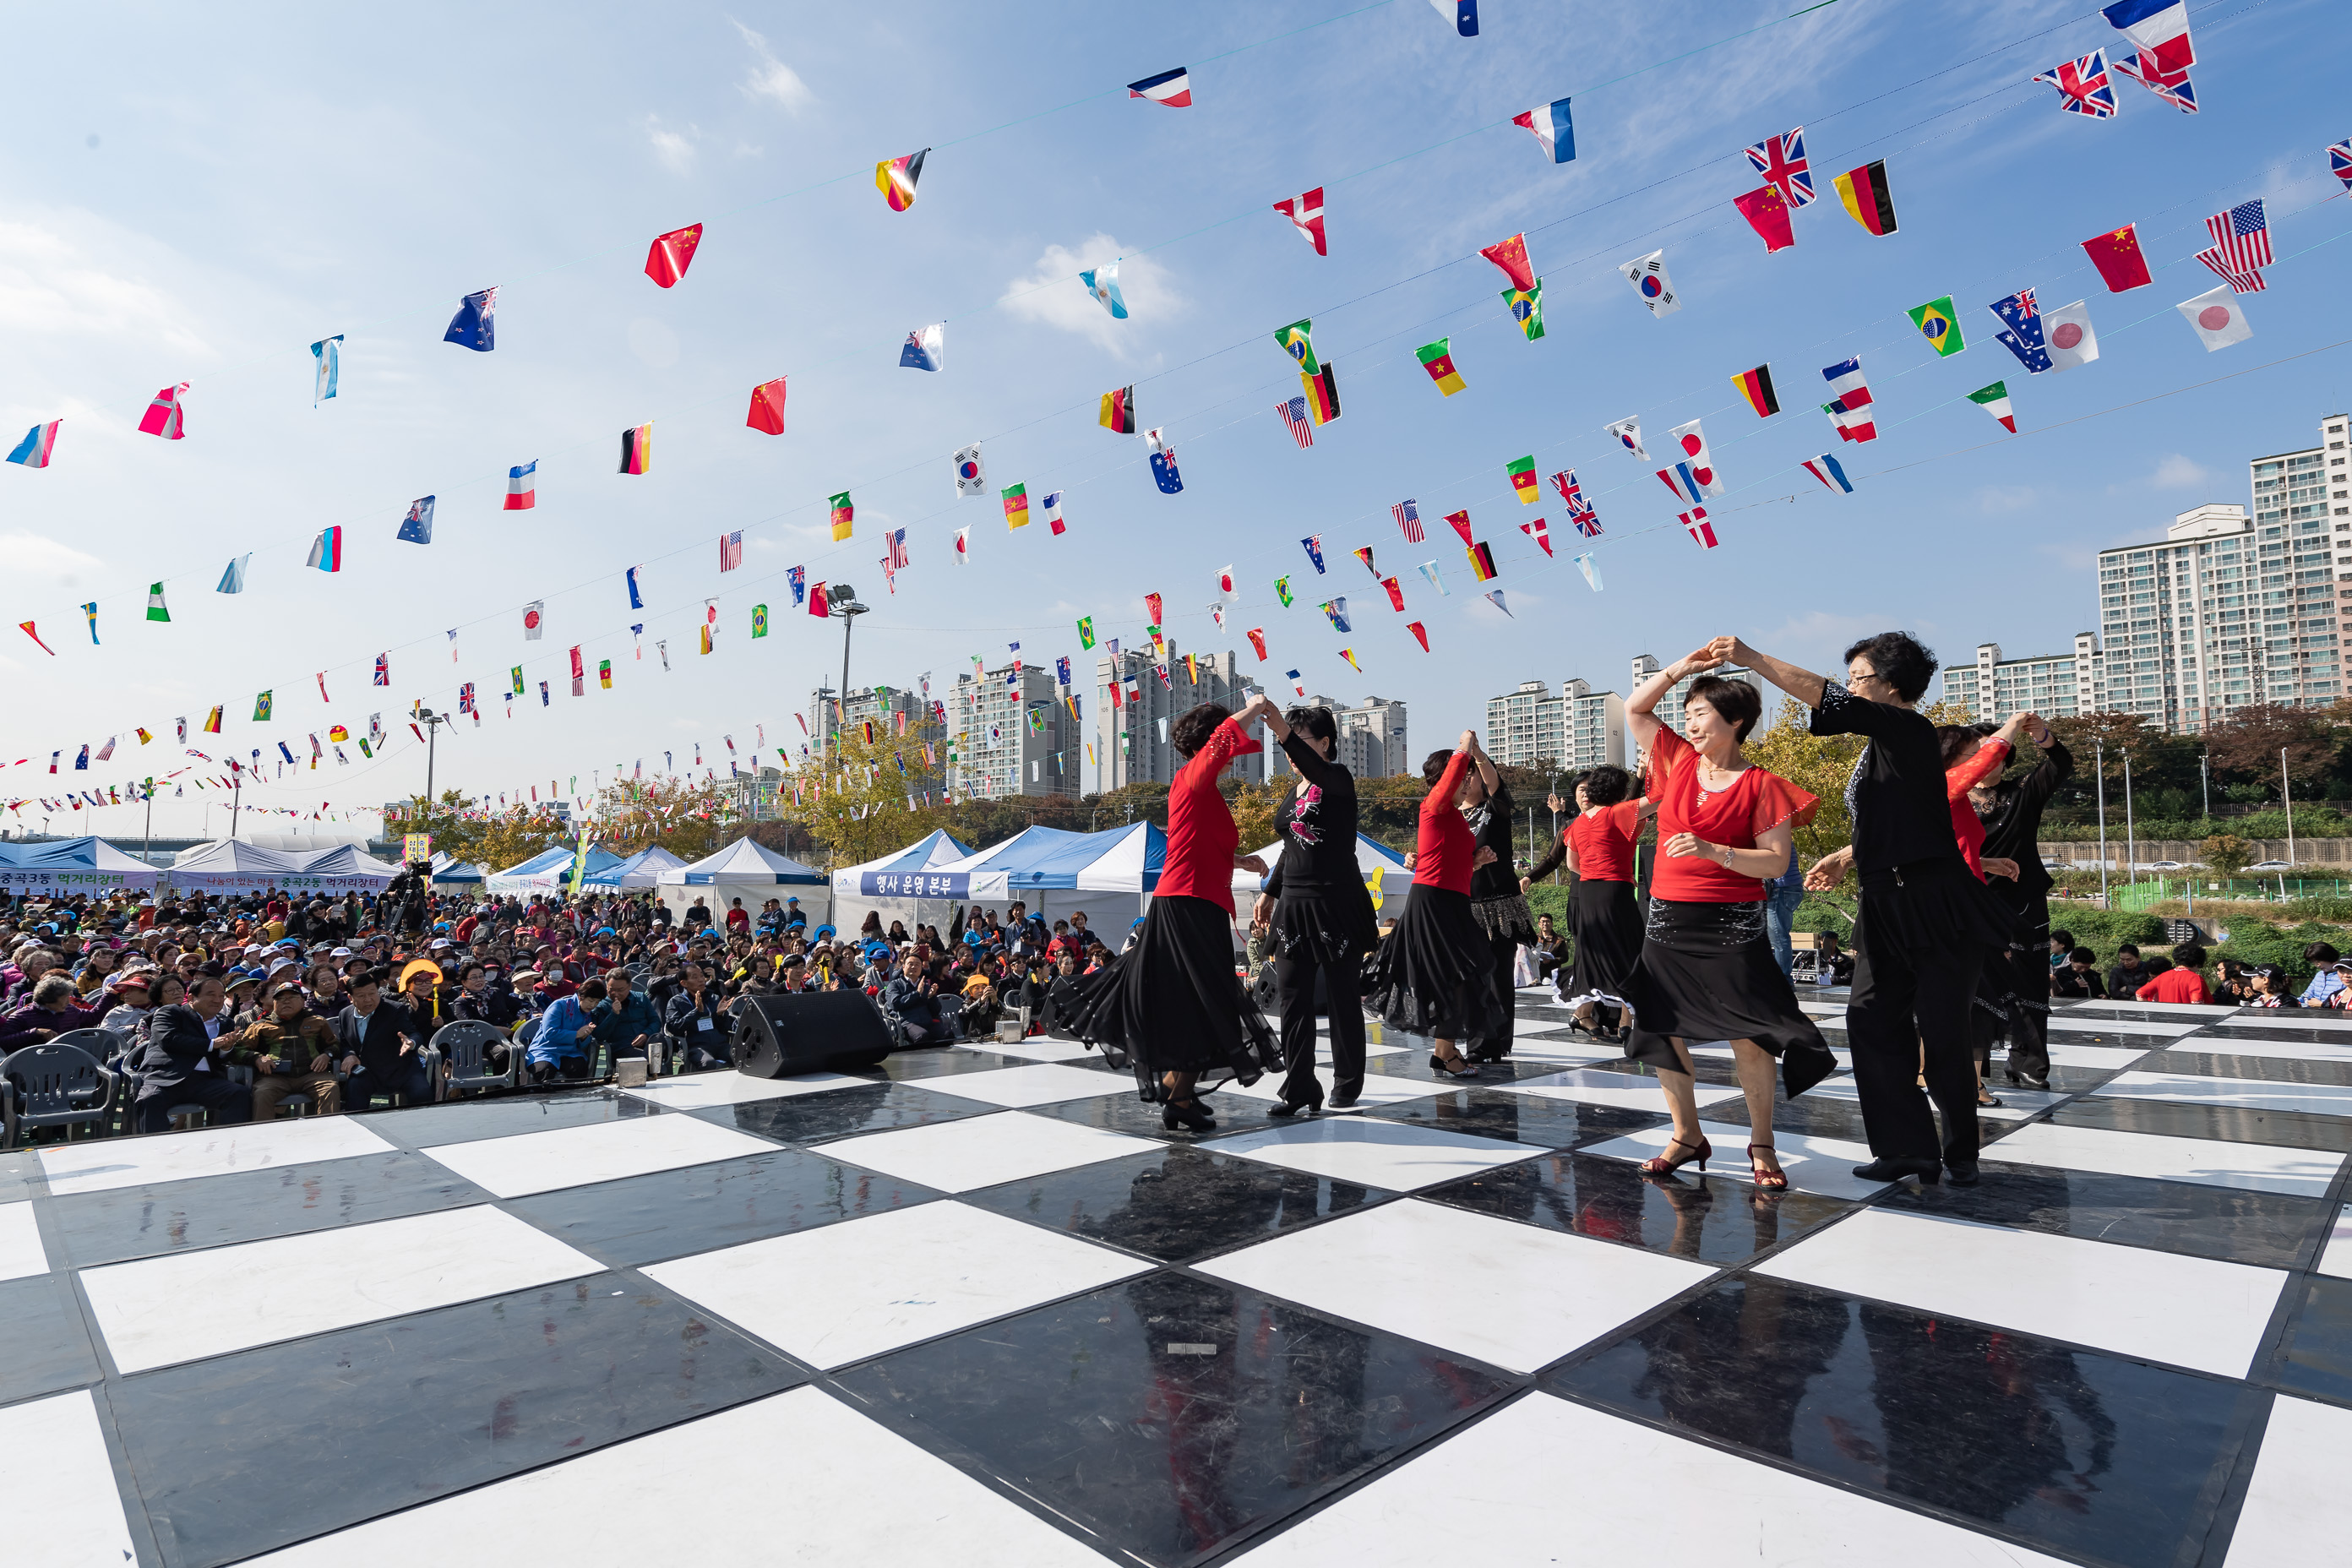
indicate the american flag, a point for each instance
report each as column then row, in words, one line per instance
column 2242, row 236
column 896, row 540
column 2085, row 85
column 731, row 551
column 1293, row 414
column 1407, row 515
column 1782, row 161
column 2247, row 282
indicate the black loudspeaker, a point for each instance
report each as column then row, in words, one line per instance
column 779, row 1035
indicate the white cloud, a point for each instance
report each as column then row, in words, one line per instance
column 31, row 557
column 674, row 148
column 1052, row 294
column 2180, row 473
column 771, row 77
column 1995, row 498
column 50, row 285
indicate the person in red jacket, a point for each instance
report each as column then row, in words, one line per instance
column 2181, row 983
column 1172, row 1004
column 1435, row 974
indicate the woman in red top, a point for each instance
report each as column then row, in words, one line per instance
column 1171, row 1003
column 1602, row 917
column 1707, row 970
column 1435, row 973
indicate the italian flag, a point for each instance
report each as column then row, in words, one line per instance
column 1523, row 479
column 1994, row 400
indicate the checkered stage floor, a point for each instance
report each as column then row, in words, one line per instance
column 978, row 1308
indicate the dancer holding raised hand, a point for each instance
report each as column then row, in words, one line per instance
column 1434, row 974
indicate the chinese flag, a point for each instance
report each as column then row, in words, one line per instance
column 672, row 254
column 768, row 408
column 2118, row 256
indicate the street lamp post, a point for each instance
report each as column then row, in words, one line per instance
column 432, row 723
column 843, row 598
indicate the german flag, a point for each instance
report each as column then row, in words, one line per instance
column 896, row 177
column 1482, row 561
column 1119, row 411
column 1322, row 394
column 637, row 449
column 1755, row 386
column 1867, row 200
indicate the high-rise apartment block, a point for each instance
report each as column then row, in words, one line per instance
column 1131, row 737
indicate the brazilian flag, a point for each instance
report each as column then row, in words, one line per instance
column 1939, row 323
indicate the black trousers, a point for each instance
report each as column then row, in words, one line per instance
column 224, row 1102
column 1294, row 980
column 1905, row 999
column 1494, row 1040
column 2021, row 971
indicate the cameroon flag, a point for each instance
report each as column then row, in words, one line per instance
column 1016, row 506
column 1523, row 479
column 843, row 512
column 1939, row 323
column 1437, row 358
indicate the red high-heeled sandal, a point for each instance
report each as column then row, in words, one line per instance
column 1660, row 1165
column 1769, row 1181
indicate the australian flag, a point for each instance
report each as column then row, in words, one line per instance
column 417, row 527
column 1062, row 670
column 1163, row 464
column 798, row 577
column 1313, row 543
column 2023, row 316
column 474, row 326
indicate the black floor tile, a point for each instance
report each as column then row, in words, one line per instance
column 2211, row 1063
column 2078, row 1454
column 2316, row 1356
column 1126, row 1113
column 504, row 1116
column 252, row 1205
column 701, row 1208
column 43, row 1347
column 2270, row 1230
column 1176, row 1204
column 1171, row 1415
column 2229, row 1123
column 2090, row 1017
column 2246, row 1027
column 933, row 1061
column 1709, row 1219
column 19, row 1169
column 1814, row 1115
column 841, row 1113
column 248, row 1452
column 1520, row 1118
column 2092, row 1035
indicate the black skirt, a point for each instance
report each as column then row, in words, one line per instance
column 1435, row 974
column 1172, row 1002
column 1605, row 922
column 1707, row 972
column 1327, row 925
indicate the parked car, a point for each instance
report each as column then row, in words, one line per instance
column 2157, row 866
column 2270, row 866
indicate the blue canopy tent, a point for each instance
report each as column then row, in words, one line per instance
column 549, row 871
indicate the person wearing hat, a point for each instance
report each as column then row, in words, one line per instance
column 2270, row 987
column 291, row 1051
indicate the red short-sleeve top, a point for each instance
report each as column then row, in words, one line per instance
column 1445, row 846
column 1756, row 802
column 1201, row 837
column 1603, row 842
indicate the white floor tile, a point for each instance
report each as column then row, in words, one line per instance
column 2296, row 1508
column 1034, row 1048
column 2336, row 1254
column 1517, row 1295
column 2252, row 1093
column 186, row 1305
column 2291, row 1018
column 843, row 1293
column 698, row 1092
column 1040, row 1083
column 2132, row 1004
column 1824, row 1166
column 2062, row 1025
column 1562, row 1053
column 63, row 1505
column 2239, row 1044
column 2250, row 1167
column 2100, row 1058
column 2016, row 1104
column 599, row 1151
column 21, row 1253
column 655, row 1499
column 1599, row 1086
column 1376, row 1154
column 982, row 1151
column 2190, row 1311
column 108, row 1163
column 1499, row 1495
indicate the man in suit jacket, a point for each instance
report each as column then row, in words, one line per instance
column 177, row 1067
column 378, row 1040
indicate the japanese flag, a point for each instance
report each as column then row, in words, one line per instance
column 1225, row 581
column 2217, row 318
column 2066, row 333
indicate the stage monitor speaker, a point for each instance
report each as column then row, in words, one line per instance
column 779, row 1035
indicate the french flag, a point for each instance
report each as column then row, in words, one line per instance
column 2160, row 30
column 522, row 487
column 1553, row 127
column 1171, row 89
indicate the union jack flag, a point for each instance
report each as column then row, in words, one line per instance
column 2176, row 90
column 1579, row 511
column 1407, row 515
column 2242, row 236
column 466, row 698
column 2339, row 162
column 1782, row 161
column 731, row 551
column 2084, row 85
column 384, row 669
column 1293, row 414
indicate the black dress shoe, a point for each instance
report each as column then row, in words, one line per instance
column 1961, row 1173
column 1343, row 1099
column 1292, row 1108
column 1930, row 1172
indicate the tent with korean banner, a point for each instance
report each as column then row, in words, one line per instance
column 235, row 866
column 62, row 867
column 1382, row 868
column 549, row 871
column 751, row 872
column 1054, row 872
column 894, row 885
column 640, row 871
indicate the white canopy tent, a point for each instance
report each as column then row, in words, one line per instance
column 751, row 872
column 64, row 867
column 236, row 866
column 1374, row 859
column 894, row 885
column 1054, row 872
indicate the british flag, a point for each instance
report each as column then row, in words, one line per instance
column 384, row 669
column 1579, row 511
column 1782, row 161
column 1408, row 517
column 1293, row 414
column 2339, row 162
column 2084, row 85
column 731, row 551
column 2176, row 90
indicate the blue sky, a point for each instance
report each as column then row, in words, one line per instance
column 188, row 200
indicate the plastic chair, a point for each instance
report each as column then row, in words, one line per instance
column 53, row 1085
column 465, row 1044
column 302, row 1101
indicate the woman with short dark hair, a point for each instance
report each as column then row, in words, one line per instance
column 1171, row 1005
column 1923, row 925
column 1434, row 974
column 1604, row 920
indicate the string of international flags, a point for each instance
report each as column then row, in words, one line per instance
column 2057, row 340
